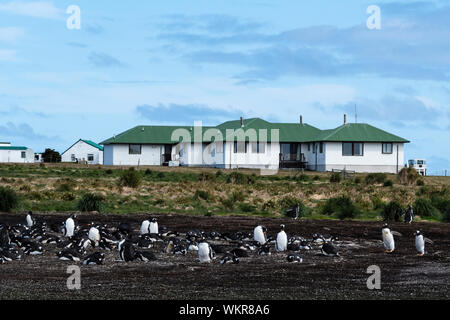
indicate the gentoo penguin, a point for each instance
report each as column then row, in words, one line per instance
column 388, row 238
column 409, row 215
column 126, row 250
column 260, row 234
column 30, row 219
column 154, row 226
column 329, row 250
column 294, row 212
column 145, row 227
column 205, row 252
column 68, row 255
column 94, row 235
column 96, row 258
column 294, row 257
column 281, row 243
column 145, row 256
column 69, row 226
column 420, row 242
column 229, row 258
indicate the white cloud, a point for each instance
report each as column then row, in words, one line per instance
column 40, row 9
column 7, row 55
column 10, row 34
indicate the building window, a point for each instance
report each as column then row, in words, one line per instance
column 309, row 147
column 258, row 147
column 240, row 147
column 352, row 149
column 314, row 147
column 90, row 157
column 387, row 148
column 135, row 149
column 72, row 158
column 321, row 147
column 23, row 155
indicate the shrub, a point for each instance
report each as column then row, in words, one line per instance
column 388, row 183
column 228, row 203
column 445, row 210
column 247, row 207
column 269, row 205
column 219, row 173
column 288, row 202
column 420, row 182
column 130, row 178
column 202, row 194
column 335, row 177
column 239, row 178
column 377, row 203
column 68, row 196
column 237, row 196
column 377, row 177
column 148, row 172
column 358, row 180
column 424, row 208
column 408, row 176
column 302, row 177
column 343, row 207
column 90, row 202
column 316, row 178
column 393, row 211
column 8, row 199
column 108, row 171
column 206, row 176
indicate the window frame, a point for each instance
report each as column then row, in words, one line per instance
column 387, row 143
column 132, row 153
column 353, row 149
column 23, row 155
column 92, row 155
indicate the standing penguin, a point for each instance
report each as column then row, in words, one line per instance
column 145, row 227
column 260, row 234
column 420, row 242
column 205, row 252
column 69, row 226
column 126, row 250
column 281, row 243
column 30, row 219
column 388, row 238
column 409, row 215
column 94, row 235
column 154, row 226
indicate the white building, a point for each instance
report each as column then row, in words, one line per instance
column 83, row 151
column 12, row 154
column 258, row 144
column 420, row 165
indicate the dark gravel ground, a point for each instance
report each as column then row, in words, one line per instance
column 404, row 275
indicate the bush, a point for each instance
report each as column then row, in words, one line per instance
column 148, row 172
column 228, row 203
column 424, row 208
column 445, row 210
column 420, row 182
column 90, row 202
column 343, row 207
column 108, row 171
column 237, row 196
column 393, row 211
column 240, row 178
column 202, row 194
column 316, row 178
column 302, row 177
column 288, row 202
column 408, row 176
column 377, row 203
column 377, row 177
column 206, row 176
column 8, row 199
column 358, row 180
column 388, row 183
column 246, row 207
column 335, row 177
column 130, row 178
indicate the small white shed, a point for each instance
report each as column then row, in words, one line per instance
column 83, row 150
column 12, row 154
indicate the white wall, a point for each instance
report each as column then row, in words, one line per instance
column 118, row 155
column 373, row 159
column 268, row 160
column 81, row 150
column 311, row 156
column 15, row 156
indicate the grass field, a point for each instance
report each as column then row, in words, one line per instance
column 59, row 187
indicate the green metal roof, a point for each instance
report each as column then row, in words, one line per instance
column 288, row 132
column 14, row 148
column 358, row 132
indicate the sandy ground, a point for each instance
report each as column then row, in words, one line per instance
column 404, row 275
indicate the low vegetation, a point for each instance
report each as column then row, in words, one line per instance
column 68, row 188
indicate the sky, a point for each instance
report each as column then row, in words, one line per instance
column 174, row 62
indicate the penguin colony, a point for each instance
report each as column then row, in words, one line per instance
column 87, row 244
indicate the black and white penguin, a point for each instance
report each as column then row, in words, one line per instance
column 420, row 242
column 205, row 252
column 229, row 258
column 153, row 228
column 328, row 249
column 145, row 256
column 69, row 255
column 69, row 226
column 409, row 215
column 260, row 234
column 30, row 219
column 145, row 227
column 94, row 235
column 294, row 212
column 239, row 252
column 264, row 250
column 281, row 242
column 294, row 258
column 97, row 258
column 124, row 228
column 126, row 250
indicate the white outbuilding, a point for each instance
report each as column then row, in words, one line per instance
column 13, row 154
column 83, row 151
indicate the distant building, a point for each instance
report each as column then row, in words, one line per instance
column 420, row 165
column 83, row 151
column 13, row 154
column 259, row 144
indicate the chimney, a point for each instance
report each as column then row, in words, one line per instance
column 242, row 122
column 301, row 119
column 345, row 119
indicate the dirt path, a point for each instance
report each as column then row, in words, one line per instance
column 404, row 275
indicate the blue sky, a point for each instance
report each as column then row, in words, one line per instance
column 173, row 62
